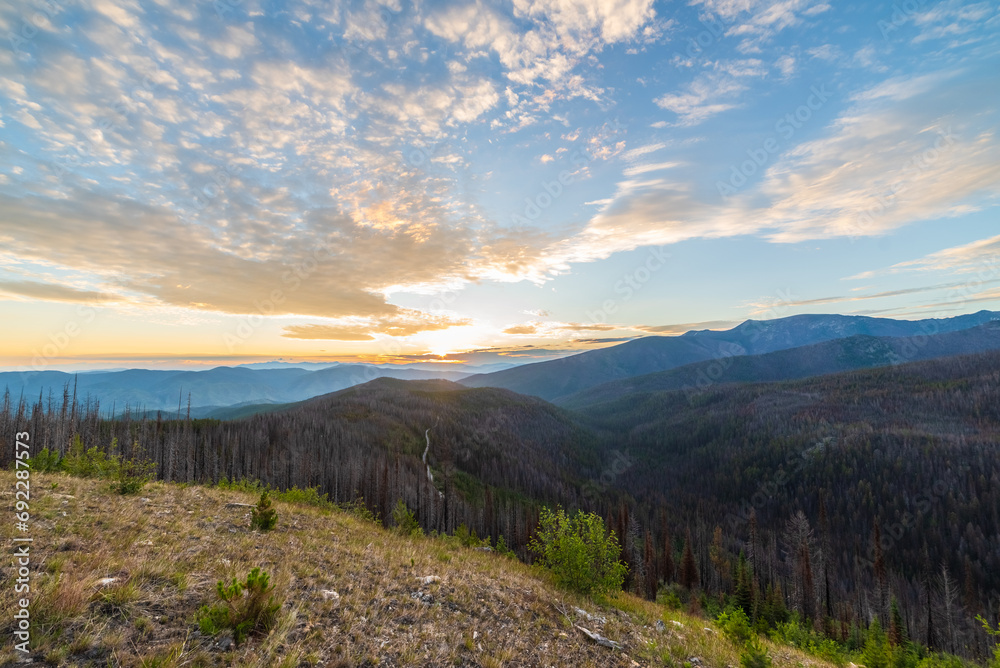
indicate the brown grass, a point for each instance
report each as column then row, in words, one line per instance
column 167, row 553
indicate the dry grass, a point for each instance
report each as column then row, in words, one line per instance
column 166, row 554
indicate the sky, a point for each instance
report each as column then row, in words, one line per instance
column 187, row 184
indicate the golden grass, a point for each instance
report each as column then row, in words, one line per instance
column 166, row 554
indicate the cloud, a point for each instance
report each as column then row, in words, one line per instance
column 979, row 256
column 709, row 94
column 685, row 327
column 54, row 292
column 403, row 323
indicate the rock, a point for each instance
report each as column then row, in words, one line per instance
column 676, row 623
column 240, row 505
column 330, row 595
column 420, row 596
column 599, row 639
column 428, row 579
column 225, row 642
column 660, row 626
column 694, row 661
column 485, row 548
column 104, row 582
column 589, row 617
column 146, row 499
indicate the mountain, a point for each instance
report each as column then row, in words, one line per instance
column 818, row 465
column 211, row 389
column 854, row 352
column 560, row 378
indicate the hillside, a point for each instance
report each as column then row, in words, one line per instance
column 907, row 449
column 854, row 352
column 911, row 449
column 557, row 379
column 119, row 580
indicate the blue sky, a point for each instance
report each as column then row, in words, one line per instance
column 232, row 181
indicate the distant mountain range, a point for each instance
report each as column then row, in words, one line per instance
column 210, row 390
column 854, row 352
column 556, row 380
column 787, row 348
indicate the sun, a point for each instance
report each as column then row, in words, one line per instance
column 452, row 340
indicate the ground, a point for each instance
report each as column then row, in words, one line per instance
column 118, row 581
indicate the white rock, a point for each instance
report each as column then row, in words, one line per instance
column 428, row 579
column 330, row 595
column 104, row 582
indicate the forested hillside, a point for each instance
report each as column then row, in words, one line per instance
column 854, row 352
column 558, row 379
column 831, row 497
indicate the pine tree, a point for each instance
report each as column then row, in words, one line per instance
column 650, row 568
column 897, row 629
column 667, row 563
column 881, row 580
column 744, row 587
column 689, row 569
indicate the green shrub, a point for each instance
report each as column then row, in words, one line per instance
column 736, row 626
column 247, row 608
column 405, row 521
column 876, row 653
column 468, row 538
column 88, row 462
column 581, row 553
column 263, row 517
column 501, row 547
column 755, row 655
column 361, row 511
column 995, row 661
column 132, row 474
column 670, row 597
column 308, row 496
column 46, row 461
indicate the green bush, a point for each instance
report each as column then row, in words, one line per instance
column 736, row 626
column 263, row 517
column 132, row 474
column 46, row 461
column 670, row 597
column 995, row 633
column 876, row 653
column 755, row 655
column 88, row 462
column 581, row 553
column 501, row 547
column 247, row 608
column 405, row 521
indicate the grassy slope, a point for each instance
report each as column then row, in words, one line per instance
column 166, row 554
